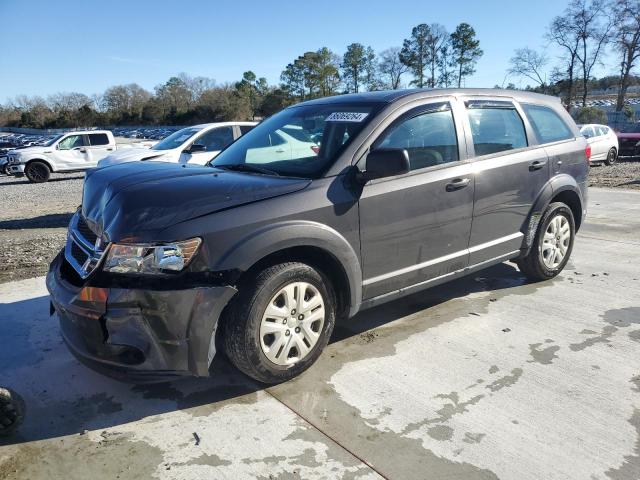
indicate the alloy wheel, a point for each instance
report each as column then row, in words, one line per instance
column 292, row 323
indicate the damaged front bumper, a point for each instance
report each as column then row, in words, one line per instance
column 141, row 334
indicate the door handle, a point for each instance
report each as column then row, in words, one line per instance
column 279, row 151
column 457, row 184
column 537, row 165
column 109, row 149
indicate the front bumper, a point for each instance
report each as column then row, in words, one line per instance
column 140, row 335
column 15, row 169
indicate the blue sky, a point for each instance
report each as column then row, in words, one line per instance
column 87, row 46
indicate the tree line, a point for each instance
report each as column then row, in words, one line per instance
column 585, row 33
column 432, row 57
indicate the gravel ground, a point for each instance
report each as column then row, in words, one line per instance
column 34, row 217
column 33, row 222
column 622, row 174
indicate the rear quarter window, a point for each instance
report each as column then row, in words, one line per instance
column 98, row 139
column 547, row 124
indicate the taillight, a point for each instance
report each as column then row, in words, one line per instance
column 316, row 149
column 587, row 152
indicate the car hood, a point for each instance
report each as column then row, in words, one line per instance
column 635, row 136
column 134, row 202
column 130, row 154
column 30, row 150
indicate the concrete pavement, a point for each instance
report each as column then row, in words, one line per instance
column 486, row 377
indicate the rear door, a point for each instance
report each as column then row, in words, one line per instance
column 98, row 148
column 415, row 227
column 510, row 173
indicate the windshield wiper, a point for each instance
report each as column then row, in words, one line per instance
column 246, row 167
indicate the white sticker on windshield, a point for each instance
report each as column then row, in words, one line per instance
column 346, row 117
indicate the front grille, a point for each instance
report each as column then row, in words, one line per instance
column 83, row 250
column 78, row 254
column 85, row 231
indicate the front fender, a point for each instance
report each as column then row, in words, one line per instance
column 273, row 238
column 39, row 158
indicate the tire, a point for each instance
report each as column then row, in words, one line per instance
column 37, row 172
column 258, row 344
column 612, row 156
column 11, row 411
column 538, row 265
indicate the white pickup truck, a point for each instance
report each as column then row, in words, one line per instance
column 68, row 152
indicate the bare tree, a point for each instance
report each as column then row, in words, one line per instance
column 592, row 27
column 437, row 38
column 391, row 68
column 529, row 64
column 626, row 38
column 563, row 32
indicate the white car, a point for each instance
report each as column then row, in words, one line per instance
column 288, row 142
column 68, row 152
column 195, row 145
column 603, row 142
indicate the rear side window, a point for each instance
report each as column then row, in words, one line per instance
column 601, row 130
column 98, row 139
column 547, row 124
column 429, row 138
column 496, row 127
column 245, row 128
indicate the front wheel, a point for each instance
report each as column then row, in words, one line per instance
column 280, row 322
column 552, row 246
column 612, row 156
column 37, row 172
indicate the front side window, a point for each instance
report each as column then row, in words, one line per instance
column 547, row 124
column 302, row 141
column 97, row 139
column 429, row 138
column 176, row 139
column 216, row 139
column 496, row 127
column 245, row 129
column 70, row 142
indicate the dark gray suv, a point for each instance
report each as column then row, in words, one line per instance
column 327, row 208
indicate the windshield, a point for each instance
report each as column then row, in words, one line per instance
column 300, row 141
column 176, row 138
column 48, row 143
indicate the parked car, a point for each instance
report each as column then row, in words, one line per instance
column 603, row 142
column 167, row 263
column 195, row 145
column 629, row 140
column 68, row 152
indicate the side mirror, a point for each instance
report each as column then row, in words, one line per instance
column 386, row 162
column 197, row 147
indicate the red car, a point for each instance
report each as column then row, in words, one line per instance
column 629, row 141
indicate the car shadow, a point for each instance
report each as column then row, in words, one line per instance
column 24, row 181
column 54, row 220
column 64, row 397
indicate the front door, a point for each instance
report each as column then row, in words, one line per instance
column 213, row 142
column 71, row 153
column 415, row 227
column 510, row 175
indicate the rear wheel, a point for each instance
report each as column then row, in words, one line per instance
column 612, row 156
column 552, row 246
column 37, row 172
column 280, row 322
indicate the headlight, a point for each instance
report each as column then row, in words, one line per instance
column 151, row 259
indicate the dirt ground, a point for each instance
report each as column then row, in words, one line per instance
column 34, row 217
